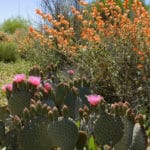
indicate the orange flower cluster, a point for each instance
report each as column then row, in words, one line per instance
column 59, row 32
column 102, row 20
column 83, row 3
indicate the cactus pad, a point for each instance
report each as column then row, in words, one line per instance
column 63, row 133
column 139, row 138
column 108, row 129
column 18, row 101
column 34, row 136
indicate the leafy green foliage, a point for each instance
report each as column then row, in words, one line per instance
column 11, row 25
column 8, row 52
column 91, row 144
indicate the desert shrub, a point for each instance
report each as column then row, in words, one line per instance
column 112, row 49
column 8, row 51
column 32, row 49
column 12, row 24
column 20, row 38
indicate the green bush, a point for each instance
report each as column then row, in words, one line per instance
column 11, row 25
column 8, row 52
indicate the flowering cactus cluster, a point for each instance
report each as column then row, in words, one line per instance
column 48, row 115
column 20, row 92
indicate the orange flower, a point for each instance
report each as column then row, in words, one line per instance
column 142, row 58
column 140, row 53
column 31, row 30
column 38, row 11
column 80, row 17
column 125, row 4
column 83, row 3
column 140, row 66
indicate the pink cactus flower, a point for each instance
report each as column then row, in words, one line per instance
column 47, row 86
column 19, row 78
column 71, row 72
column 94, row 99
column 7, row 87
column 34, row 80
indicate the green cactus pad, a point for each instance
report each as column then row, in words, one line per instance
column 108, row 129
column 63, row 133
column 61, row 93
column 18, row 101
column 139, row 138
column 83, row 86
column 126, row 140
column 34, row 136
column 3, row 112
column 10, row 141
column 34, row 71
column 70, row 101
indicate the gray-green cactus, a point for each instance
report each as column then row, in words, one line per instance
column 108, row 129
column 138, row 138
column 21, row 93
column 61, row 92
column 8, row 139
column 45, row 93
column 134, row 137
column 34, row 71
column 19, row 99
column 71, row 101
column 126, row 140
column 32, row 129
column 63, row 132
column 43, row 127
column 4, row 113
column 116, row 126
column 83, row 86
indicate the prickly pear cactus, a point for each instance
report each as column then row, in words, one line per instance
column 52, row 74
column 18, row 101
column 21, row 93
column 32, row 133
column 4, row 113
column 33, row 136
column 10, row 141
column 70, row 101
column 138, row 139
column 126, row 140
column 63, row 132
column 34, row 71
column 83, row 86
column 61, row 93
column 82, row 140
column 45, row 94
column 108, row 129
column 134, row 137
